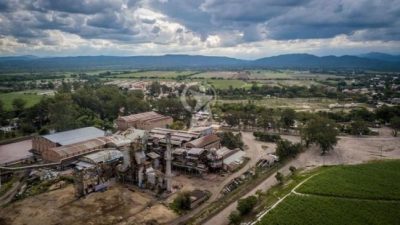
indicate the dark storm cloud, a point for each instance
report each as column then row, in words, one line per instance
column 251, row 20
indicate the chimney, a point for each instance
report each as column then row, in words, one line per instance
column 168, row 159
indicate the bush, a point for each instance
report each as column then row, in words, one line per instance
column 235, row 218
column 279, row 177
column 263, row 136
column 181, row 202
column 246, row 205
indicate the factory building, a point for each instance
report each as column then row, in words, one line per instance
column 144, row 121
column 41, row 144
column 178, row 137
column 206, row 142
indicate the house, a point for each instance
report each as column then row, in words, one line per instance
column 145, row 121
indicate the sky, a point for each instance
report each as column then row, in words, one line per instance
column 246, row 29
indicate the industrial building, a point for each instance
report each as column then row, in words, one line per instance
column 41, row 144
column 144, row 121
column 206, row 142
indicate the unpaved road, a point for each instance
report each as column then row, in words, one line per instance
column 349, row 150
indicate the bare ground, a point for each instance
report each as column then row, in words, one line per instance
column 118, row 205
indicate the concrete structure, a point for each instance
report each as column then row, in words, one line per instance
column 41, row 144
column 206, row 142
column 145, row 121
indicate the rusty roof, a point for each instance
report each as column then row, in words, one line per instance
column 144, row 117
column 204, row 141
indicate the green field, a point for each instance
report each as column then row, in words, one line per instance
column 154, row 74
column 30, row 97
column 295, row 103
column 377, row 180
column 354, row 195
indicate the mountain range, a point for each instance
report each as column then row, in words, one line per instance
column 370, row 61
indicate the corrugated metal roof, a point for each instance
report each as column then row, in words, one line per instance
column 75, row 136
column 204, row 141
column 103, row 156
column 237, row 156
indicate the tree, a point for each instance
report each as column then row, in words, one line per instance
column 63, row 113
column 18, row 105
column 235, row 218
column 287, row 118
column 177, row 125
column 246, row 205
column 285, row 148
column 359, row 127
column 320, row 131
column 279, row 177
column 229, row 140
column 395, row 124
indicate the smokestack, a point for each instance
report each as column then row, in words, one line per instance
column 168, row 159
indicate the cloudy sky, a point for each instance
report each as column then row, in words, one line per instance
column 238, row 28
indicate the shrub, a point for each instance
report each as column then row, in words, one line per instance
column 246, row 205
column 267, row 137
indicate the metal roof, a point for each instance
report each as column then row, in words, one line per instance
column 103, row 156
column 235, row 157
column 204, row 141
column 75, row 136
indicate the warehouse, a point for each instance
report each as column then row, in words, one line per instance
column 145, row 121
column 75, row 150
column 41, row 144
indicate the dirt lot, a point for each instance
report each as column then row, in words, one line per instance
column 118, row 205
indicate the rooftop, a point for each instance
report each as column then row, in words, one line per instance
column 75, row 136
column 143, row 117
column 204, row 141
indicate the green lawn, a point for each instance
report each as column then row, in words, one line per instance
column 352, row 195
column 377, row 180
column 30, row 97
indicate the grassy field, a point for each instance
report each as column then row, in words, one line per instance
column 295, row 103
column 30, row 97
column 154, row 74
column 225, row 84
column 356, row 195
column 378, row 180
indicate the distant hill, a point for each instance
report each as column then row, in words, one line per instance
column 290, row 61
column 382, row 56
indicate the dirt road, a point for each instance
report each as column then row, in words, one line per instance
column 349, row 150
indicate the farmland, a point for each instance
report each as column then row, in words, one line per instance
column 31, row 98
column 357, row 194
column 378, row 180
